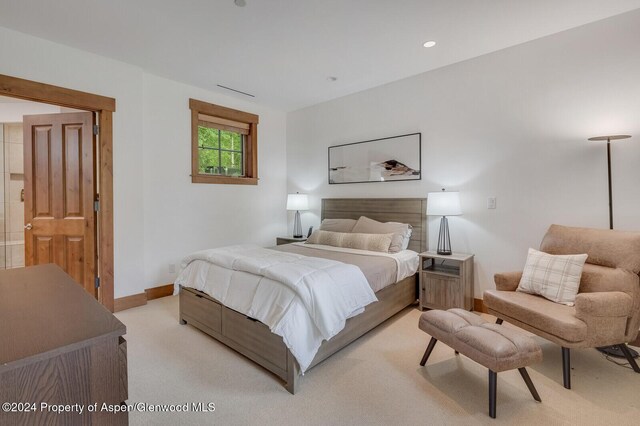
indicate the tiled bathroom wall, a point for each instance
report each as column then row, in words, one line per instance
column 13, row 212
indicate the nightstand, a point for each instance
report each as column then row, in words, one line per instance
column 289, row 240
column 446, row 281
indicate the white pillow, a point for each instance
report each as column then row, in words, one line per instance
column 407, row 237
column 554, row 277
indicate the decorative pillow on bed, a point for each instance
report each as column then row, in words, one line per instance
column 372, row 242
column 554, row 277
column 337, row 225
column 401, row 231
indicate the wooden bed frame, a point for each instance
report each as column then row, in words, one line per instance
column 255, row 341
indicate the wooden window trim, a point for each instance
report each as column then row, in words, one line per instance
column 244, row 121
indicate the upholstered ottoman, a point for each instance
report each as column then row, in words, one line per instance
column 494, row 346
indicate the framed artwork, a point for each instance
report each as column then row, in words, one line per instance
column 392, row 159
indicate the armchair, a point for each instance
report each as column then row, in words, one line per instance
column 607, row 306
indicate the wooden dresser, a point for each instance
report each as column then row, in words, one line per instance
column 58, row 346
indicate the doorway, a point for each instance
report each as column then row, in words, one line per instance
column 64, row 168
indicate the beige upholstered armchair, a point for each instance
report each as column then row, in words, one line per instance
column 607, row 307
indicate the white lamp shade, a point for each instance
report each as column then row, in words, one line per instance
column 297, row 202
column 443, row 203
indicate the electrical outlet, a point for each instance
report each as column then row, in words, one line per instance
column 491, row 202
column 172, row 268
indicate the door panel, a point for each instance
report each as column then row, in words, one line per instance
column 41, row 147
column 59, row 194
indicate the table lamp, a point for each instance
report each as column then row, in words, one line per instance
column 297, row 202
column 444, row 204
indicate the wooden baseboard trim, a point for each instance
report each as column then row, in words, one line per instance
column 135, row 300
column 158, row 292
column 478, row 306
column 128, row 302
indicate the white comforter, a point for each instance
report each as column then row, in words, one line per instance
column 303, row 299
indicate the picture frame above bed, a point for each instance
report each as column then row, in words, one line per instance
column 391, row 159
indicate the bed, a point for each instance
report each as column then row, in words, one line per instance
column 254, row 339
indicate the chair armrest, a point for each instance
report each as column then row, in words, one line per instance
column 603, row 304
column 507, row 281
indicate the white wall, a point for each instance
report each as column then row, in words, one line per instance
column 512, row 124
column 180, row 217
column 156, row 208
column 12, row 112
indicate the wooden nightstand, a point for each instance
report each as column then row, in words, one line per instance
column 289, row 240
column 446, row 281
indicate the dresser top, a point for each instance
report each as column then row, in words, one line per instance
column 44, row 313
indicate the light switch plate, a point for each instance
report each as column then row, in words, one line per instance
column 491, row 202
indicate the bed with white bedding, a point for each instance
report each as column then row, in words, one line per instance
column 290, row 307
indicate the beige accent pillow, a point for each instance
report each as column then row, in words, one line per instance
column 372, row 242
column 554, row 277
column 364, row 225
column 337, row 225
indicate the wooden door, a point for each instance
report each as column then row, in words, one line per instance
column 60, row 188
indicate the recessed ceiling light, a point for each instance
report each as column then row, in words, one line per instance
column 332, row 78
column 430, row 43
column 240, row 3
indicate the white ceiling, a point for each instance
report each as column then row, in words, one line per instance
column 283, row 51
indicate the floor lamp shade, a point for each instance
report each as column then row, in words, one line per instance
column 297, row 202
column 444, row 204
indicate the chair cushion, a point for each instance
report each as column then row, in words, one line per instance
column 554, row 277
column 605, row 247
column 553, row 318
column 494, row 346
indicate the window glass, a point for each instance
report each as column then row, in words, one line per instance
column 220, row 152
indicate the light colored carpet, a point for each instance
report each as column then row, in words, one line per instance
column 376, row 380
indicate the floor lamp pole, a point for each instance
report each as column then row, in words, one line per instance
column 609, row 175
column 614, row 350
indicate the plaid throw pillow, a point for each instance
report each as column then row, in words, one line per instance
column 555, row 277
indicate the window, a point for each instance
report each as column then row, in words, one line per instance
column 223, row 145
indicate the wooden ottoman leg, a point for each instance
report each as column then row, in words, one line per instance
column 527, row 380
column 493, row 379
column 427, row 353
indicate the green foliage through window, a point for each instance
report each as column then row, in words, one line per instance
column 220, row 152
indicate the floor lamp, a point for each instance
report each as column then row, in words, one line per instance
column 612, row 350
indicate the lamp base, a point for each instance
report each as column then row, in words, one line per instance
column 297, row 226
column 444, row 243
column 616, row 352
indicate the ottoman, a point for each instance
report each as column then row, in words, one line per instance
column 496, row 347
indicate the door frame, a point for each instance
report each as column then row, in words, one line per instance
column 105, row 107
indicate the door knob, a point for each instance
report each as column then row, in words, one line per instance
column 28, row 226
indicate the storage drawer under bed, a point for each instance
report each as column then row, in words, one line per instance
column 250, row 334
column 202, row 309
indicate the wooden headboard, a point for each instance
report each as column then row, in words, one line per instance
column 405, row 210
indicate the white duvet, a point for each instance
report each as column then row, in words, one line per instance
column 303, row 299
